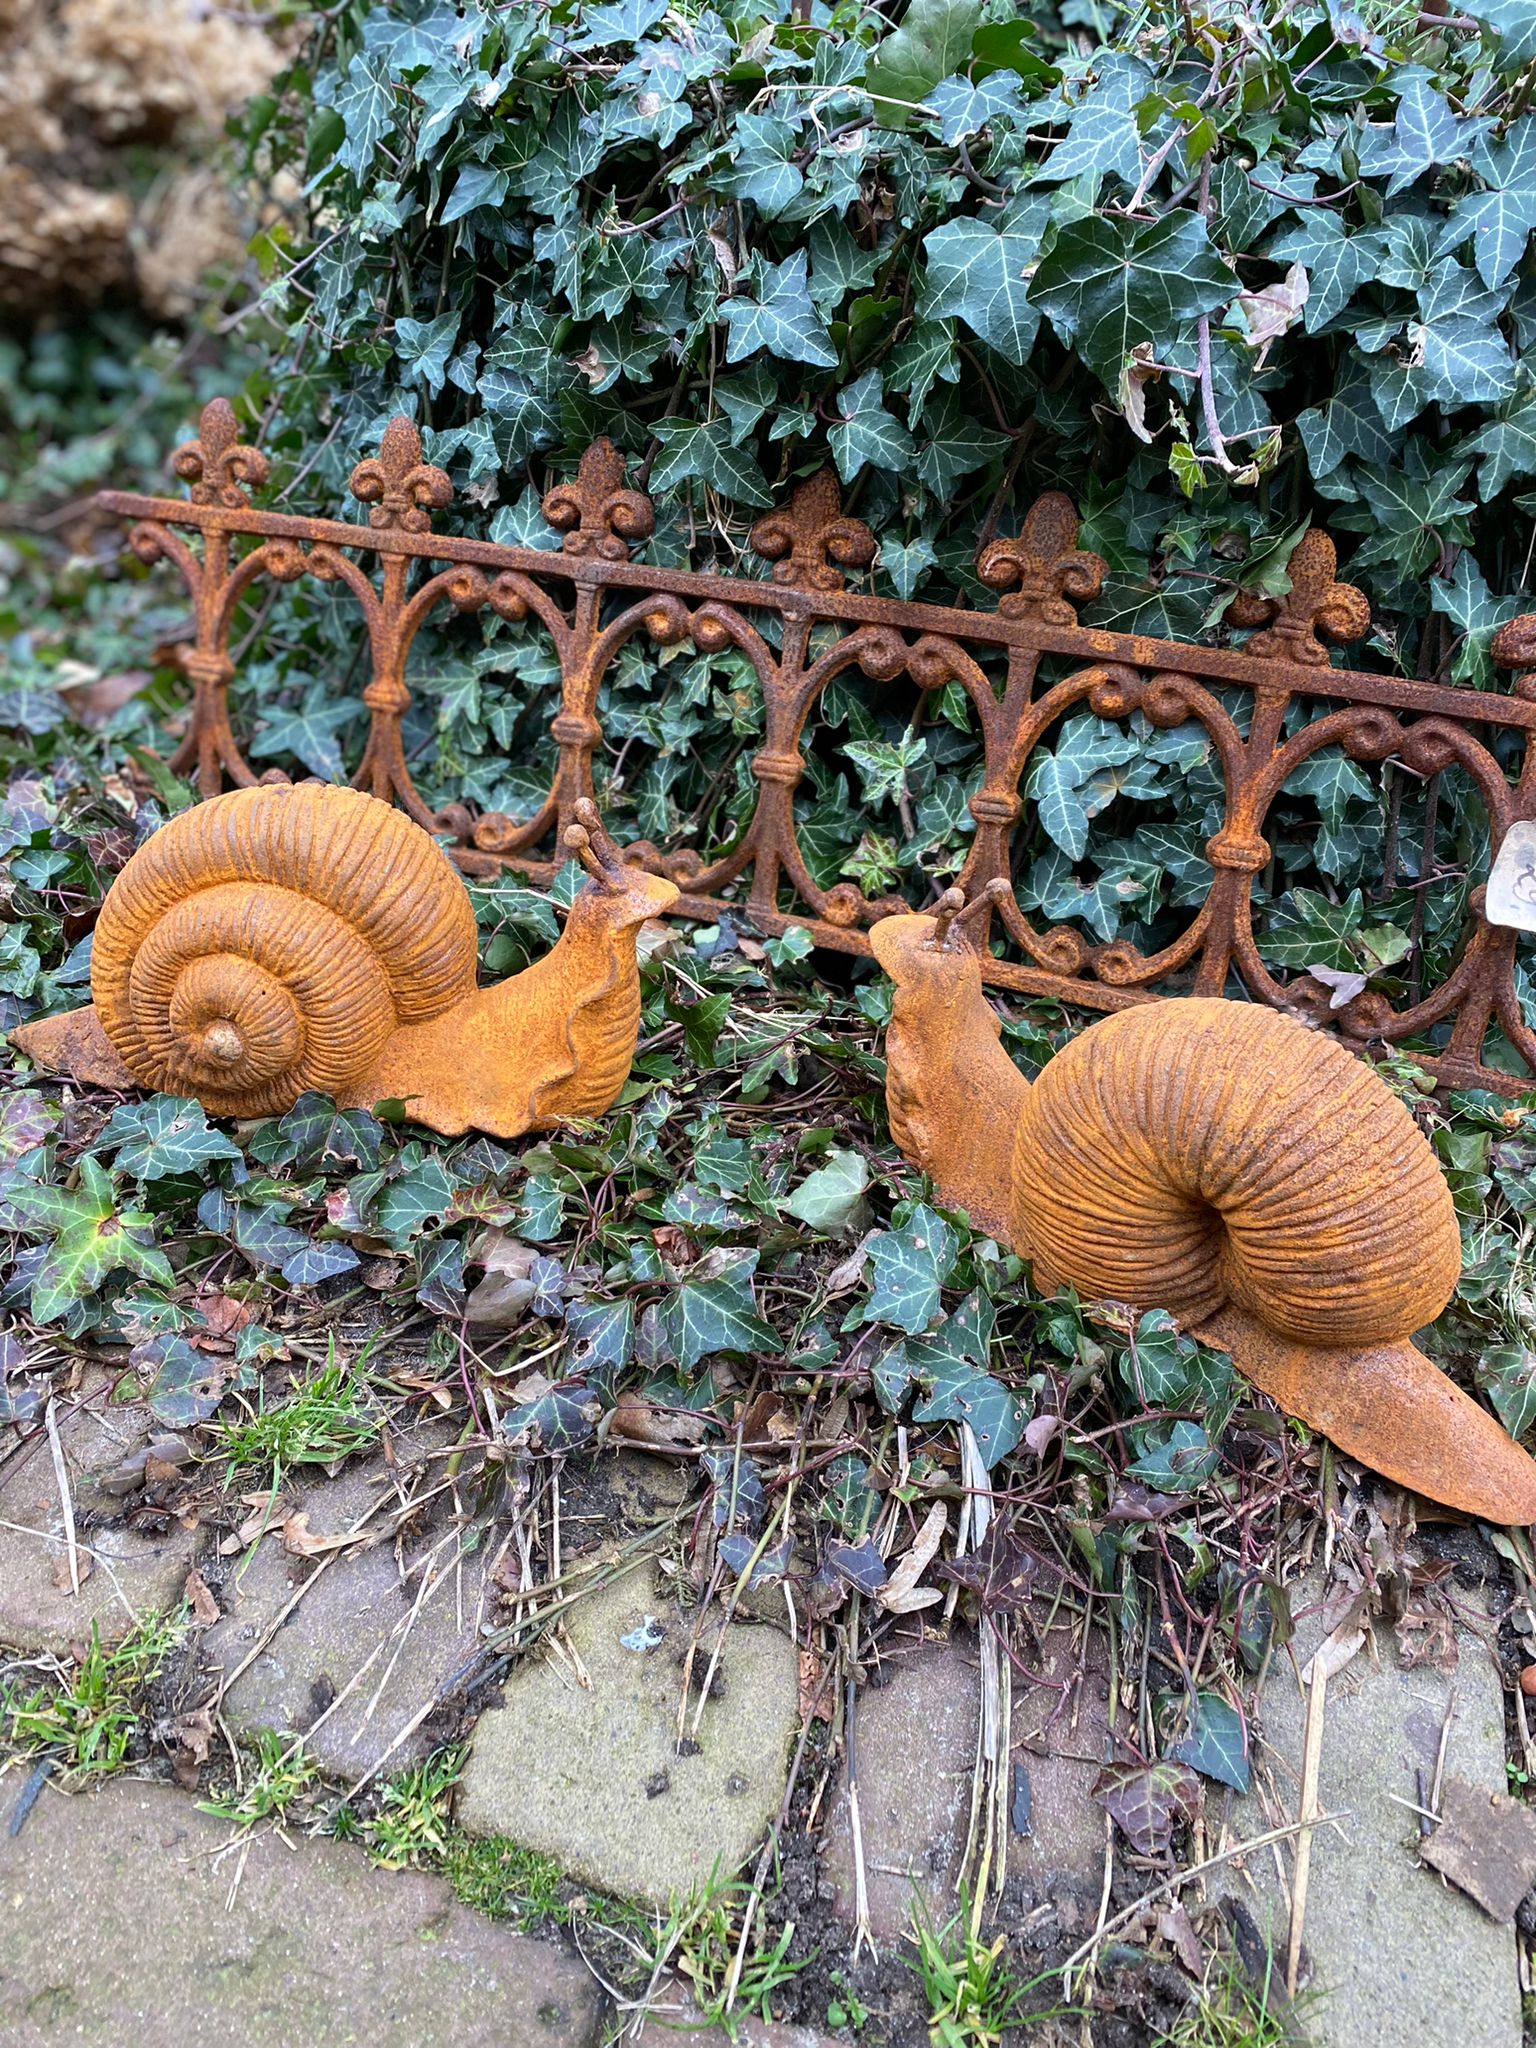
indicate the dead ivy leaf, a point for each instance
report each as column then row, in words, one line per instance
column 1273, row 310
column 1145, row 1800
column 1486, row 1845
column 205, row 1609
column 635, row 1421
column 500, row 1301
column 901, row 1593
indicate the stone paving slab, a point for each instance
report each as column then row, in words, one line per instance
column 676, row 2019
column 916, row 1743
column 1396, row 1953
column 592, row 1773
column 359, row 1608
column 117, row 1926
column 130, row 1574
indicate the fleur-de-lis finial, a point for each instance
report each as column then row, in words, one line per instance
column 595, row 512
column 402, row 489
column 1053, row 574
column 218, row 464
column 1314, row 604
column 811, row 540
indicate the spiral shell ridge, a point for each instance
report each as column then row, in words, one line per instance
column 1196, row 1152
column 271, row 940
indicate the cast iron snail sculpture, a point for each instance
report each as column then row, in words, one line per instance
column 280, row 939
column 1218, row 1160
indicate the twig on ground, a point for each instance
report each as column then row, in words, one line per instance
column 1183, row 1877
column 66, row 1500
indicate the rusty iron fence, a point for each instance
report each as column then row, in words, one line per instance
column 594, row 596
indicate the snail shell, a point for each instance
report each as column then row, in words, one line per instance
column 1195, row 1152
column 272, row 940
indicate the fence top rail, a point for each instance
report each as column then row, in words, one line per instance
column 1037, row 635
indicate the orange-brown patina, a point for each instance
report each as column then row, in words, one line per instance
column 279, row 939
column 1223, row 1162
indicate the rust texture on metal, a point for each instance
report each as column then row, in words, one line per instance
column 280, row 939
column 593, row 596
column 1220, row 1161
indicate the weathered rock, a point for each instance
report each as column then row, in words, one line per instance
column 916, row 1743
column 128, row 1573
column 1395, row 1953
column 365, row 1608
column 592, row 1773
column 117, row 1924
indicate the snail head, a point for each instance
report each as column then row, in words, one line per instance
column 622, row 889
column 930, row 951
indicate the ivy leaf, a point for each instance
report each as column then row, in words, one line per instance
column 407, row 1205
column 1424, row 133
column 601, row 1334
column 1176, row 1459
column 1335, row 260
column 1109, row 284
column 1216, row 1743
column 561, row 1418
column 829, row 1198
column 866, row 434
column 541, row 1213
column 1498, row 222
column 980, row 275
column 167, row 1134
column 909, row 1267
column 704, row 449
column 1465, row 358
column 1305, row 929
column 781, row 319
column 308, row 733
column 1464, row 598
column 365, row 102
column 625, row 21
column 906, row 563
column 1409, row 512
column 850, row 1501
column 1346, row 424
column 718, row 1313
column 1508, row 446
column 1515, row 23
column 964, row 107
column 764, row 170
column 317, row 1260
column 933, row 40
column 1507, row 1375
column 188, row 1385
column 959, row 1393
column 925, row 358
column 476, row 185
column 315, row 1134
column 954, row 443
column 424, row 346
column 1104, row 137
column 90, row 1240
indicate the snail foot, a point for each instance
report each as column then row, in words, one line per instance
column 75, row 1045
column 1393, row 1409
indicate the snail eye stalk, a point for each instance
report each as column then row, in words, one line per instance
column 594, row 846
column 952, row 910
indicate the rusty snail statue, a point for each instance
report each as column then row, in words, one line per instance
column 279, row 939
column 1221, row 1161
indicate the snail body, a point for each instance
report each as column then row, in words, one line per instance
column 282, row 939
column 1218, row 1160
